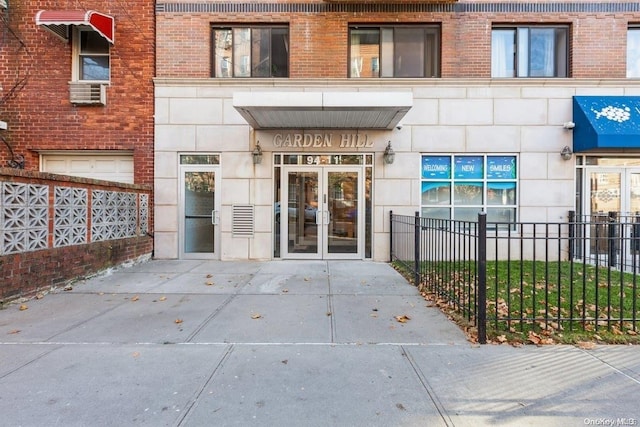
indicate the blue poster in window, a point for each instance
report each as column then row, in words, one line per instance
column 468, row 167
column 501, row 167
column 436, row 167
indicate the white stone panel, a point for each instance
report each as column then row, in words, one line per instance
column 174, row 91
column 423, row 112
column 166, row 218
column 195, row 111
column 495, row 139
column 165, row 245
column 235, row 191
column 600, row 91
column 381, row 248
column 175, row 138
column 438, row 139
column 261, row 247
column 533, row 166
column 393, row 192
column 548, row 92
column 165, row 191
column 263, row 218
column 493, row 92
column 439, row 92
column 466, row 112
column 559, row 168
column 545, row 138
column 560, row 111
column 533, row 214
column 520, row 111
column 234, row 248
column 230, row 115
column 546, row 193
column 261, row 192
column 223, row 138
column 238, row 165
column 165, row 164
column 161, row 113
column 406, row 165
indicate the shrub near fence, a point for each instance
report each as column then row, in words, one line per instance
column 57, row 228
column 527, row 277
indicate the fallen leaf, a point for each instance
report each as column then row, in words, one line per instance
column 178, row 321
column 209, row 283
column 15, row 331
column 586, row 345
column 284, row 291
column 403, row 319
column 208, row 276
column 306, row 279
column 136, row 298
column 256, row 316
column 162, row 299
column 136, row 354
column 285, row 361
column 39, row 296
column 632, row 332
column 68, row 288
column 328, row 313
column 23, row 307
column 501, row 338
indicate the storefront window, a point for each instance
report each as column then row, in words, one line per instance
column 459, row 187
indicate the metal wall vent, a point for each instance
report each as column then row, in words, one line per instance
column 243, row 221
column 88, row 93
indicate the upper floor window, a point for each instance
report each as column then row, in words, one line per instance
column 92, row 62
column 250, row 51
column 633, row 52
column 539, row 51
column 399, row 51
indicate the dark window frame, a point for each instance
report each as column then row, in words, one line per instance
column 561, row 62
column 274, row 72
column 432, row 63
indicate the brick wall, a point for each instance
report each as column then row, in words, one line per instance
column 25, row 273
column 35, row 69
column 319, row 42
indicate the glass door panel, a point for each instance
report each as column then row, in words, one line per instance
column 605, row 191
column 634, row 192
column 200, row 213
column 301, row 206
column 343, row 189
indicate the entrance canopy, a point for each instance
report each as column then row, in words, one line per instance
column 323, row 110
column 59, row 21
column 606, row 123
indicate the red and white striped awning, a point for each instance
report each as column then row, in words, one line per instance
column 58, row 22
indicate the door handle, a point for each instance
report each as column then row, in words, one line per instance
column 215, row 217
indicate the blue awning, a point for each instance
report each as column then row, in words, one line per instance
column 606, row 123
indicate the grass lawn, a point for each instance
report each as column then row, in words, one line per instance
column 540, row 302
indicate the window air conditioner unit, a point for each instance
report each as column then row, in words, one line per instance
column 88, row 93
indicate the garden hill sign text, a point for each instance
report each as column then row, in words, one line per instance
column 322, row 140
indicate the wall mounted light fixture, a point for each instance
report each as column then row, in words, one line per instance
column 257, row 154
column 566, row 153
column 389, row 155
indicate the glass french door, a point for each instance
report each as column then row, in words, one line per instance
column 321, row 213
column 611, row 190
column 200, row 213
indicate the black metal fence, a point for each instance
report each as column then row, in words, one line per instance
column 537, row 278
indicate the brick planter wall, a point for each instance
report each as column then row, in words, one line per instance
column 56, row 229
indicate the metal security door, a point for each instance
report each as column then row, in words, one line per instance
column 200, row 215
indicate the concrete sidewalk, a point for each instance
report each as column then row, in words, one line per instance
column 285, row 343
